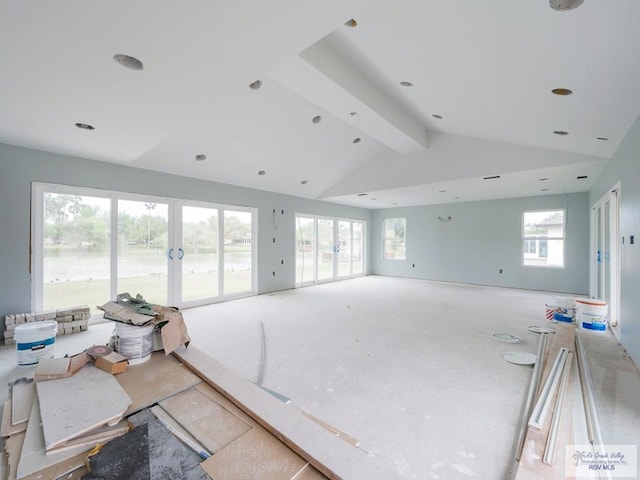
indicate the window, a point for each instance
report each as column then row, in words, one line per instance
column 543, row 238
column 394, row 239
column 90, row 245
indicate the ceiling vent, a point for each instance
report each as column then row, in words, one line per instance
column 564, row 5
column 492, row 177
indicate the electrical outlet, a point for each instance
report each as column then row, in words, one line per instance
column 274, row 239
column 413, row 266
column 500, row 271
column 274, row 274
column 281, row 262
column 632, row 239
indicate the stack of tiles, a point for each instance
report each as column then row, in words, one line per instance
column 70, row 320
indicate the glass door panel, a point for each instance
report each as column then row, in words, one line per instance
column 325, row 248
column 357, row 263
column 143, row 240
column 238, row 261
column 344, row 248
column 76, row 250
column 305, row 242
column 199, row 255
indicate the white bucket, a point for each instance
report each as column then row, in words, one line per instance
column 591, row 314
column 134, row 342
column 34, row 341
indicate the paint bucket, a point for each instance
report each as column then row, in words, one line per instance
column 134, row 342
column 561, row 309
column 34, row 341
column 591, row 314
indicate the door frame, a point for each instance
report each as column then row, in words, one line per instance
column 613, row 256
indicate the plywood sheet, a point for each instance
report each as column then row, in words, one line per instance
column 309, row 473
column 34, row 462
column 327, row 453
column 257, row 455
column 13, row 447
column 210, row 423
column 75, row 405
column 7, row 429
column 21, row 400
column 220, row 399
column 154, row 380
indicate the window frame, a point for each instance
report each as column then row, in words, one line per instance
column 538, row 239
column 385, row 253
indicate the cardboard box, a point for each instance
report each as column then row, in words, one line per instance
column 113, row 363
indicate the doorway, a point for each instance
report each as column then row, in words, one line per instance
column 606, row 253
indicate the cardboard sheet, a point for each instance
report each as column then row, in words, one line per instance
column 154, row 380
column 211, row 424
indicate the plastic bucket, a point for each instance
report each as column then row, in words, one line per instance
column 592, row 314
column 134, row 342
column 561, row 309
column 35, row 341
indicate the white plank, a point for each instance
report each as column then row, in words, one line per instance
column 21, row 400
column 78, row 404
column 329, row 454
column 33, row 458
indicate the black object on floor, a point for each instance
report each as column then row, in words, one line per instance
column 164, row 456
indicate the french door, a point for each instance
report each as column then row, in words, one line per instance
column 606, row 252
column 328, row 249
column 90, row 245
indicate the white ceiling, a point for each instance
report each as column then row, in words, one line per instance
column 487, row 67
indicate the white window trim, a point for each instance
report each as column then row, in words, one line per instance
column 538, row 238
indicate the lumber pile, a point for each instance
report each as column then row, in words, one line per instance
column 70, row 320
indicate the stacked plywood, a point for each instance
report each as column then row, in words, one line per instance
column 70, row 320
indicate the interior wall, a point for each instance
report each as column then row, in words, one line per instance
column 624, row 167
column 19, row 167
column 483, row 237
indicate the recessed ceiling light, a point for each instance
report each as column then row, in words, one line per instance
column 404, row 83
column 456, row 198
column 394, row 203
column 492, row 177
column 316, row 119
column 544, row 189
column 582, row 177
column 128, row 61
column 303, row 182
column 435, row 115
column 362, row 194
column 442, row 191
column 563, row 92
column 262, row 172
column 374, row 199
column 85, row 126
column 201, row 157
column 602, row 138
column 353, row 114
column 255, row 85
column 560, row 132
column 564, row 5
column 543, row 179
column 351, row 23
column 357, row 140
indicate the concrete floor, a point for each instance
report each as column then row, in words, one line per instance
column 407, row 366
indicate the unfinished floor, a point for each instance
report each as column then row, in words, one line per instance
column 408, row 367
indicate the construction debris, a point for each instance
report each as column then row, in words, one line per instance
column 70, row 320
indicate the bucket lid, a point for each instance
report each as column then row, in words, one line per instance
column 31, row 326
column 591, row 301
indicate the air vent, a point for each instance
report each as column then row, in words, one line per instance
column 582, row 177
column 362, row 194
column 492, row 177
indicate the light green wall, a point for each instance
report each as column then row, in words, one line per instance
column 482, row 238
column 624, row 167
column 19, row 167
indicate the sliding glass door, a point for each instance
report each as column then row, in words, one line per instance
column 90, row 245
column 328, row 249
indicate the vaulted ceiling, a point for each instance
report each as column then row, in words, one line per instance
column 480, row 103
